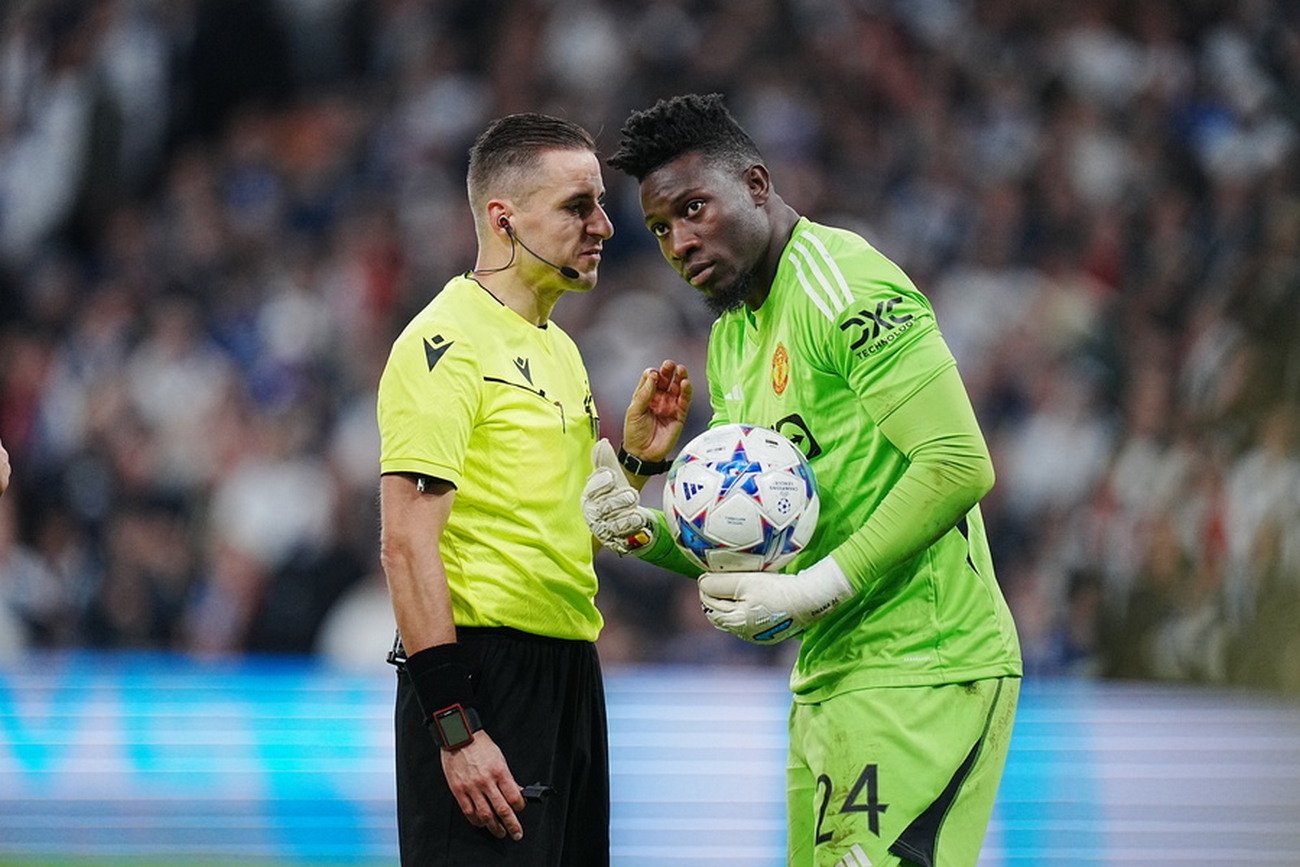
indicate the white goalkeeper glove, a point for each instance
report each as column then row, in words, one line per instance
column 767, row 607
column 612, row 507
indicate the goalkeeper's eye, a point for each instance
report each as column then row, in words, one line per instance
column 659, row 230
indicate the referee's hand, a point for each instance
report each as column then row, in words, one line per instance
column 482, row 783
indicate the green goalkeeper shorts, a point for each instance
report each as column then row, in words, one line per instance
column 898, row 775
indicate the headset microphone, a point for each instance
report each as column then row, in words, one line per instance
column 565, row 271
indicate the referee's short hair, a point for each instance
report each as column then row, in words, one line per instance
column 509, row 149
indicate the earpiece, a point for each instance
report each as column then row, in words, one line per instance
column 504, row 222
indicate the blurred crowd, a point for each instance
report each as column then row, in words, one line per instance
column 215, row 215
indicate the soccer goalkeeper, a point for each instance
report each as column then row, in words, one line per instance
column 908, row 671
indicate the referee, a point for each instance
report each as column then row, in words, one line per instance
column 487, row 423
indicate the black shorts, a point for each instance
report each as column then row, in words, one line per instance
column 543, row 702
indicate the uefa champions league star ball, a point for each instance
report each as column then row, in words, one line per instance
column 741, row 498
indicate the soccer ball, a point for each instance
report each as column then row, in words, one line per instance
column 741, row 498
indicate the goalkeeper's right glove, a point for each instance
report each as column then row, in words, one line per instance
column 767, row 607
column 612, row 507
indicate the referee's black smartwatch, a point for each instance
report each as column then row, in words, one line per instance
column 456, row 725
column 638, row 467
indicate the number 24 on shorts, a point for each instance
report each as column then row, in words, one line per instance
column 864, row 797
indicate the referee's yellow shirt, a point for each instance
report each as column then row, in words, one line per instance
column 474, row 394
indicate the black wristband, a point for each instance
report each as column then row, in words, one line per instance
column 440, row 676
column 638, row 467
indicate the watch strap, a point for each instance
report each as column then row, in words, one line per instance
column 638, row 467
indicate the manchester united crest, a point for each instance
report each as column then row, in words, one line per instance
column 780, row 369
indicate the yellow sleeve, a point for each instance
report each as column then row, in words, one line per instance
column 429, row 397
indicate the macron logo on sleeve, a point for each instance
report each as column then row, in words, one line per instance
column 435, row 350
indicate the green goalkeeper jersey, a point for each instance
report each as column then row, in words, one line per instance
column 842, row 341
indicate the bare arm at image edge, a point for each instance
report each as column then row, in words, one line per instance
column 4, row 470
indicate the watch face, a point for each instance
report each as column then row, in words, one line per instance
column 452, row 727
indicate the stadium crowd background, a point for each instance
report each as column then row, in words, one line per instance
column 215, row 215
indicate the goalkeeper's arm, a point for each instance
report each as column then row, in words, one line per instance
column 950, row 471
column 663, row 552
column 618, row 521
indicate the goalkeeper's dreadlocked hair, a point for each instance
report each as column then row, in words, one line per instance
column 680, row 125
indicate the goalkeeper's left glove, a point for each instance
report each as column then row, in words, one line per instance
column 767, row 607
column 612, row 507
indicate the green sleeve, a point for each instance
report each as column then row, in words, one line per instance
column 664, row 553
column 950, row 470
